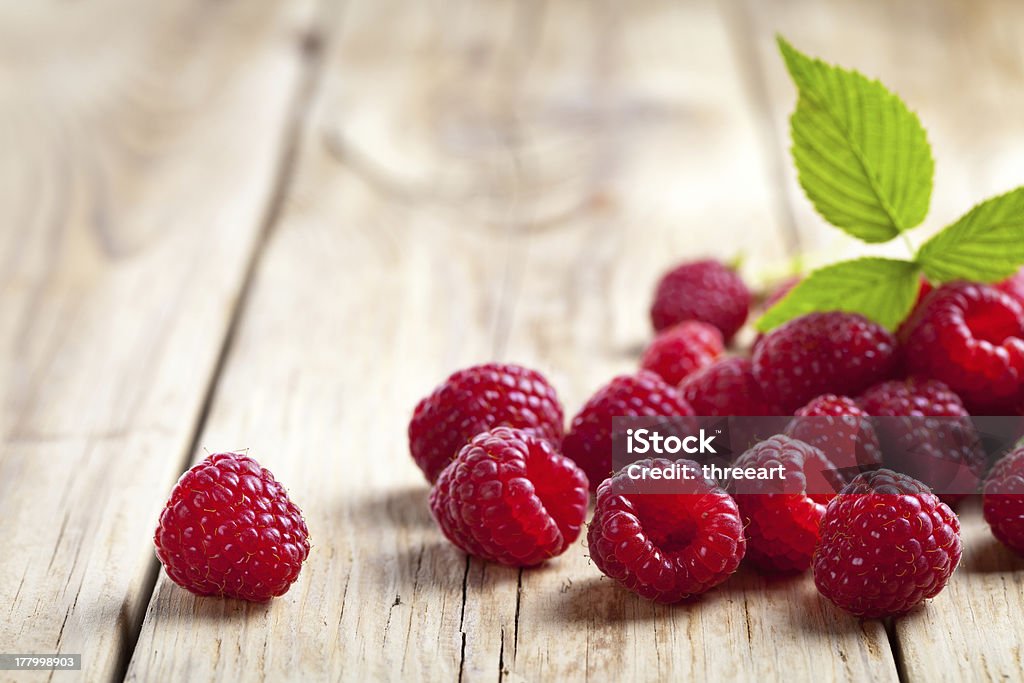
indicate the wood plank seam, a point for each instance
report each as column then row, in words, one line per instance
column 740, row 29
column 312, row 50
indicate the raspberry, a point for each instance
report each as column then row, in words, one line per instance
column 944, row 454
column 666, row 546
column 972, row 338
column 1003, row 501
column 781, row 517
column 230, row 529
column 706, row 291
column 887, row 544
column 726, row 388
column 820, row 353
column 682, row 349
column 1014, row 286
column 508, row 497
column 590, row 438
column 842, row 430
column 912, row 396
column 475, row 400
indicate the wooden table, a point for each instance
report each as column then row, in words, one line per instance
column 276, row 225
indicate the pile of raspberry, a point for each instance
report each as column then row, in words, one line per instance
column 862, row 504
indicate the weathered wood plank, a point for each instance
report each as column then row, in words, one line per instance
column 141, row 145
column 483, row 180
column 959, row 65
column 377, row 282
column 686, row 177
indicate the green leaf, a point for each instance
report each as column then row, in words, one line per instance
column 985, row 245
column 881, row 289
column 862, row 157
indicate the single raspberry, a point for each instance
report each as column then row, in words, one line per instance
column 971, row 337
column 707, row 291
column 476, row 399
column 912, row 396
column 838, row 427
column 509, row 497
column 682, row 349
column 1014, row 286
column 727, row 388
column 590, row 439
column 666, row 546
column 782, row 516
column 887, row 544
column 1003, row 501
column 820, row 353
column 230, row 529
column 943, row 453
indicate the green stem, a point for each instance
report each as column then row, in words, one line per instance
column 910, row 245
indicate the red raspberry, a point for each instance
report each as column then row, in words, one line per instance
column 912, row 396
column 230, row 529
column 475, row 400
column 508, row 497
column 706, row 291
column 841, row 430
column 887, row 544
column 944, row 454
column 590, row 438
column 666, row 546
column 682, row 349
column 1003, row 501
column 1014, row 286
column 972, row 338
column 782, row 516
column 726, row 388
column 820, row 353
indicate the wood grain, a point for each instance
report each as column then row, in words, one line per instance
column 960, row 66
column 139, row 159
column 484, row 181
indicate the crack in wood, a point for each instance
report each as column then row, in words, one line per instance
column 742, row 36
column 308, row 84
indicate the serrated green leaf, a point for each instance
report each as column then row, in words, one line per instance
column 862, row 156
column 985, row 245
column 883, row 290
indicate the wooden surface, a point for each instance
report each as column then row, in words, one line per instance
column 275, row 226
